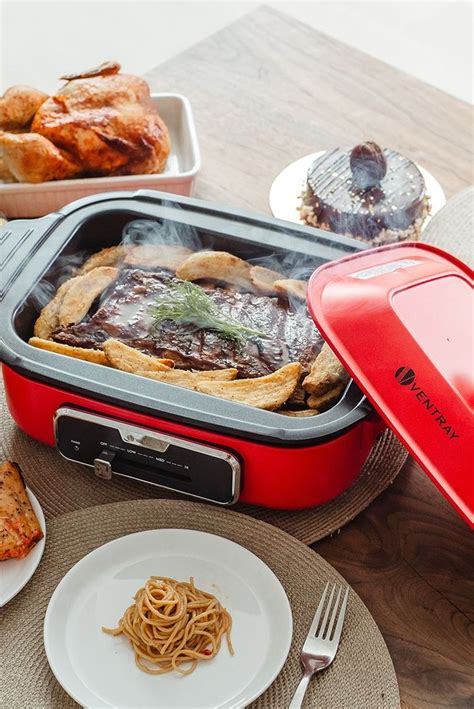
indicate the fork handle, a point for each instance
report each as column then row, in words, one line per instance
column 298, row 696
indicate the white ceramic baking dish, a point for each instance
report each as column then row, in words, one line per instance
column 22, row 199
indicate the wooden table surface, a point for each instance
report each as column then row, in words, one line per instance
column 266, row 91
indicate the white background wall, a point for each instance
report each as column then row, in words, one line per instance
column 40, row 39
column 431, row 40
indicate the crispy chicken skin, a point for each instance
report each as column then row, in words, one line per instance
column 100, row 123
column 31, row 157
column 18, row 105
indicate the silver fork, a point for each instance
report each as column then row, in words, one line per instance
column 321, row 644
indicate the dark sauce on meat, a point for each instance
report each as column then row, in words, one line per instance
column 124, row 315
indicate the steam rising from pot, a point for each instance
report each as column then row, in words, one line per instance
column 147, row 231
column 166, row 232
column 64, row 268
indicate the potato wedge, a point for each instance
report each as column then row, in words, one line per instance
column 129, row 359
column 48, row 320
column 325, row 373
column 298, row 398
column 302, row 413
column 157, row 256
column 218, row 265
column 262, row 279
column 322, row 402
column 291, row 288
column 95, row 356
column 112, row 256
column 268, row 392
column 189, row 378
column 82, row 293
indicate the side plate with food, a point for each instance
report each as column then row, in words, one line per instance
column 289, row 186
column 24, row 199
column 22, row 532
column 88, row 628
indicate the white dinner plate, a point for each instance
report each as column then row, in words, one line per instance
column 289, row 184
column 15, row 573
column 98, row 670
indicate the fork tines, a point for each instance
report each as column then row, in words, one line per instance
column 322, row 626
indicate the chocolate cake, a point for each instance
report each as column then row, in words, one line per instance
column 375, row 195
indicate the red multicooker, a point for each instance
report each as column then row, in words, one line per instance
column 217, row 450
column 400, row 319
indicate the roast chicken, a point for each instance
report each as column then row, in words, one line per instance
column 100, row 123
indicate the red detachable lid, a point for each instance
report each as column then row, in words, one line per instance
column 400, row 318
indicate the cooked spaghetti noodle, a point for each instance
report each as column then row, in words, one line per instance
column 172, row 623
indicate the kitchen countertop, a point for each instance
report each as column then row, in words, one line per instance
column 266, row 91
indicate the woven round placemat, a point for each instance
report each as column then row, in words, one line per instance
column 453, row 226
column 361, row 676
column 61, row 486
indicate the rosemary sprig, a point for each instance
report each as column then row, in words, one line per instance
column 188, row 304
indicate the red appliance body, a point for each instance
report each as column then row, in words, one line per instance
column 288, row 478
column 284, row 462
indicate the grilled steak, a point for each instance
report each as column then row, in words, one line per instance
column 124, row 315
